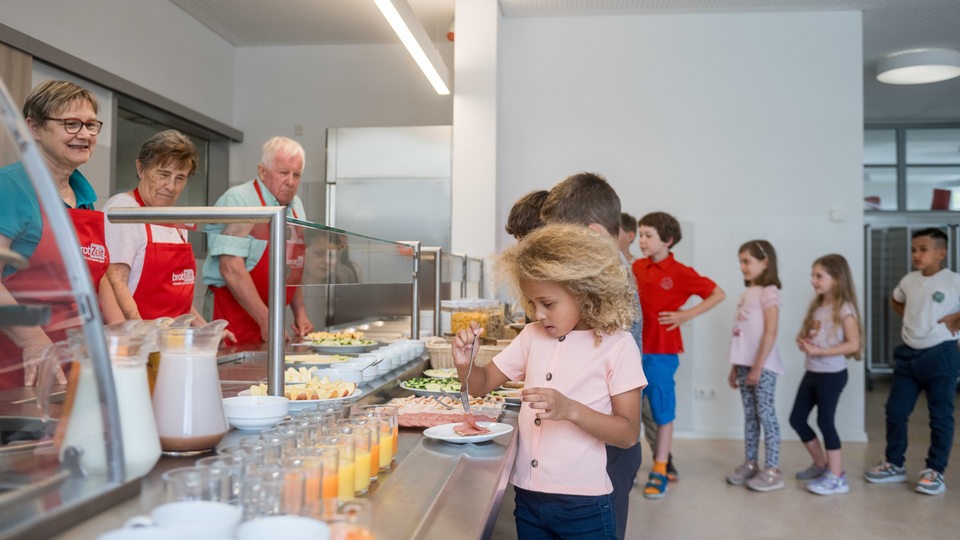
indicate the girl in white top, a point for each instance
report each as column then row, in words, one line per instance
column 756, row 364
column 830, row 334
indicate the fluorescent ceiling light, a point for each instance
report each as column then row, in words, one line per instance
column 919, row 66
column 413, row 36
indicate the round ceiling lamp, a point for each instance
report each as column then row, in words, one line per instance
column 919, row 66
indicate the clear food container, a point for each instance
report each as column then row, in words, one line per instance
column 457, row 315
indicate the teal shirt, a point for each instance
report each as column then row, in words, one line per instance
column 20, row 218
column 247, row 247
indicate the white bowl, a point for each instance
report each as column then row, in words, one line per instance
column 255, row 412
column 338, row 373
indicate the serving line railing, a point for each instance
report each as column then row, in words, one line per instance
column 274, row 215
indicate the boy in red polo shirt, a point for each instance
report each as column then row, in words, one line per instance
column 665, row 286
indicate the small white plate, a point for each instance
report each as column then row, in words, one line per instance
column 445, row 432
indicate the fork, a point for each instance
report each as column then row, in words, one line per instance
column 444, row 405
column 464, row 391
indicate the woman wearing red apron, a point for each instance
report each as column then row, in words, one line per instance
column 241, row 295
column 63, row 119
column 152, row 268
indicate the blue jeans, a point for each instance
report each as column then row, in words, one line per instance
column 934, row 372
column 553, row 516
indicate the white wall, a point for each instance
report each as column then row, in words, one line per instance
column 744, row 125
column 152, row 44
column 319, row 87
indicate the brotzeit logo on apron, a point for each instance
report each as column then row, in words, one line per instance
column 184, row 278
column 295, row 263
column 94, row 252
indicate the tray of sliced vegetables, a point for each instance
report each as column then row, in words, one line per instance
column 339, row 342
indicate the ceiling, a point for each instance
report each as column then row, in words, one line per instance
column 888, row 26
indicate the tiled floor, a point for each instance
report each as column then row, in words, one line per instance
column 702, row 505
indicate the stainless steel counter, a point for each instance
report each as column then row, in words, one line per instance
column 435, row 490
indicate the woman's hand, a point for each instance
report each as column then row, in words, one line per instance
column 550, row 403
column 732, row 377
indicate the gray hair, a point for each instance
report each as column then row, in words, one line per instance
column 278, row 143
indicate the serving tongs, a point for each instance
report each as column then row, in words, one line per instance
column 464, row 391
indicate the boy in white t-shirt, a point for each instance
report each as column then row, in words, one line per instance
column 928, row 362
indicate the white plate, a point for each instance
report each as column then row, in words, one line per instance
column 254, row 424
column 301, row 404
column 441, row 373
column 342, row 349
column 445, row 432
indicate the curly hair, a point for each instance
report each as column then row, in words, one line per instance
column 585, row 263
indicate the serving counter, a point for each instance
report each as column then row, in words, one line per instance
column 434, row 490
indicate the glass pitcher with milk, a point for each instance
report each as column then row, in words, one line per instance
column 128, row 344
column 187, row 401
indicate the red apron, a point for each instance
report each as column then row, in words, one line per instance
column 166, row 282
column 225, row 306
column 45, row 280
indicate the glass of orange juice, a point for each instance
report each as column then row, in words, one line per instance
column 388, row 413
column 360, row 435
column 346, row 463
column 373, row 424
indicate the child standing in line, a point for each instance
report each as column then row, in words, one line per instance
column 756, row 364
column 665, row 285
column 583, row 378
column 830, row 334
column 927, row 362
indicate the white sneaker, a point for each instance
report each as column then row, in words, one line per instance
column 829, row 484
column 931, row 483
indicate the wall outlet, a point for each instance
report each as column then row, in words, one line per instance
column 705, row 393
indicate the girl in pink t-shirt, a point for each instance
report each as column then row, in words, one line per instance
column 583, row 376
column 756, row 364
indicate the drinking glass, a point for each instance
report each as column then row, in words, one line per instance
column 196, row 483
column 360, row 438
column 389, row 414
column 346, row 464
column 371, row 424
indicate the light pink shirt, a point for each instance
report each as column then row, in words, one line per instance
column 557, row 456
column 748, row 328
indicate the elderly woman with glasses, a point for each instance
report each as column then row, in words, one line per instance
column 62, row 117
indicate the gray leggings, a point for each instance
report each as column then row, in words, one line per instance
column 759, row 410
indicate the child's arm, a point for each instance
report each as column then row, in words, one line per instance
column 675, row 318
column 850, row 345
column 952, row 321
column 482, row 379
column 897, row 307
column 621, row 428
column 771, row 316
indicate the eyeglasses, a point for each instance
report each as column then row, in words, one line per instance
column 73, row 125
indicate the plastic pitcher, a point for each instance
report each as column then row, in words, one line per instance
column 186, row 399
column 128, row 346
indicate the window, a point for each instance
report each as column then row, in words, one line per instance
column 913, row 168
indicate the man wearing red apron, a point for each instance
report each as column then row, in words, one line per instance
column 237, row 265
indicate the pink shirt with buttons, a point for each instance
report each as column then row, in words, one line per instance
column 557, row 456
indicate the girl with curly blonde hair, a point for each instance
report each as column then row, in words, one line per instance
column 582, row 374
